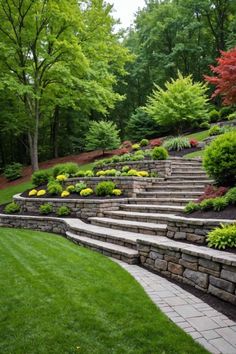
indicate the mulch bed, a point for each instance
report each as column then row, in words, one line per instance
column 228, row 213
column 184, row 152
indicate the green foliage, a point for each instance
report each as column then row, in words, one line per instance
column 214, row 116
column 182, row 104
column 54, row 188
column 220, row 159
column 204, row 125
column 40, row 177
column 231, row 196
column 104, row 188
column 160, row 153
column 102, row 135
column 144, row 142
column 68, row 168
column 232, row 116
column 13, row 171
column 86, row 192
column 125, row 168
column 12, row 208
column 225, row 111
column 70, row 189
column 191, row 207
column 177, row 143
column 135, row 146
column 207, row 204
column 215, row 130
column 219, row 203
column 63, row 211
column 45, row 209
column 222, row 237
column 80, row 186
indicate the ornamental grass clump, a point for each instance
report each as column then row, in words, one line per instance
column 222, row 237
column 177, row 143
column 191, row 207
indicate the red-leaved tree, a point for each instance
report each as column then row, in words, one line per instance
column 225, row 79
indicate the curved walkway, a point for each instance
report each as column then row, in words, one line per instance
column 207, row 326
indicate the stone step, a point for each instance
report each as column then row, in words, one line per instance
column 176, row 188
column 169, row 194
column 184, row 169
column 127, row 225
column 202, row 183
column 168, row 201
column 142, row 217
column 108, row 249
column 147, row 208
column 183, row 176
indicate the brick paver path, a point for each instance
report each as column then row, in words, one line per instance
column 207, row 326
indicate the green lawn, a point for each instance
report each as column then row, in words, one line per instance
column 7, row 193
column 200, row 135
column 194, row 154
column 57, row 297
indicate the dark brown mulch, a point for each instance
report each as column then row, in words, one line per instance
column 228, row 213
column 223, row 307
column 183, row 152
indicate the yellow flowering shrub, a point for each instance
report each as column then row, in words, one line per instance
column 143, row 174
column 65, row 194
column 70, row 189
column 86, row 192
column 61, row 178
column 33, row 192
column 41, row 193
column 117, row 192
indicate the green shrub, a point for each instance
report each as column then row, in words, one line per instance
column 86, row 192
column 12, row 208
column 135, row 146
column 220, row 159
column 177, row 144
column 125, row 169
column 104, row 188
column 215, row 130
column 225, row 111
column 80, row 174
column 207, row 204
column 231, row 116
column 159, row 153
column 222, row 237
column 231, row 196
column 132, row 173
column 63, row 211
column 69, row 168
column 116, row 159
column 71, row 188
column 45, row 209
column 191, row 207
column 111, row 173
column 13, row 171
column 80, row 186
column 40, row 177
column 219, row 203
column 204, row 125
column 214, row 116
column 89, row 173
column 144, row 142
column 54, row 188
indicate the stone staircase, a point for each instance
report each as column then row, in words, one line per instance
column 143, row 217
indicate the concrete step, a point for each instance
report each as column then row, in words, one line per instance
column 169, row 194
column 168, row 201
column 176, row 188
column 133, row 226
column 108, row 249
column 144, row 208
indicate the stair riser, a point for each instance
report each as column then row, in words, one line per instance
column 134, row 217
column 176, row 189
column 189, row 170
column 165, row 202
column 168, row 195
column 150, row 210
column 188, row 177
column 105, row 238
column 139, row 230
column 201, row 183
column 113, row 254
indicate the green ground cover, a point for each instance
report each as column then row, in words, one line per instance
column 194, row 154
column 199, row 136
column 60, row 298
column 7, row 193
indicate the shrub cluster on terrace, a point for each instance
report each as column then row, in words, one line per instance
column 217, row 200
column 222, row 237
column 126, row 171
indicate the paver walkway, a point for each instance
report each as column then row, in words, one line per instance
column 207, row 326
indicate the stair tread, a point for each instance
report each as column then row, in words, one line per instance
column 130, row 223
column 104, row 245
column 170, row 192
column 158, row 206
column 161, row 199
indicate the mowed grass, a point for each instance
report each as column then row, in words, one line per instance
column 198, row 153
column 199, row 136
column 7, row 193
column 59, row 298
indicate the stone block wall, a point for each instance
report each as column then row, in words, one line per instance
column 162, row 167
column 81, row 208
column 129, row 185
column 211, row 271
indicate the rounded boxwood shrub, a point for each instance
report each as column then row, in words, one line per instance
column 220, row 159
column 104, row 189
column 215, row 130
column 204, row 125
column 12, row 208
column 214, row 116
column 69, row 168
column 144, row 142
column 40, row 177
column 159, row 153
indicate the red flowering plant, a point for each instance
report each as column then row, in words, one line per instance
column 193, row 142
column 155, row 142
column 213, row 192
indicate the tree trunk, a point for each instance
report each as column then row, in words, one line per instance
column 54, row 132
column 33, row 147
